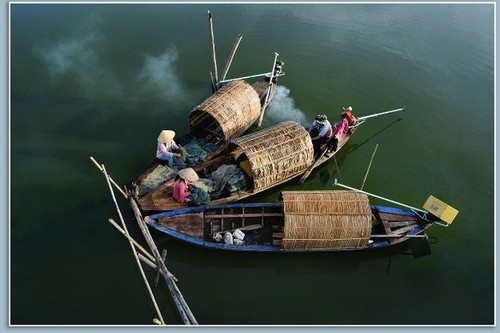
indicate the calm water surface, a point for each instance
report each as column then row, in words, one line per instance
column 103, row 80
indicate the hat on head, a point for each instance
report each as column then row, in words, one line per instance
column 348, row 108
column 321, row 118
column 188, row 174
column 166, row 136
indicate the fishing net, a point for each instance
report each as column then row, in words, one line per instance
column 198, row 196
column 157, row 177
column 197, row 151
column 226, row 180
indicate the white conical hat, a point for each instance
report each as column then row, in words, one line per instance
column 188, row 174
column 166, row 136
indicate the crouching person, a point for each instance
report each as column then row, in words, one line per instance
column 185, row 190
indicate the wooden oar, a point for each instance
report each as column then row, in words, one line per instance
column 311, row 168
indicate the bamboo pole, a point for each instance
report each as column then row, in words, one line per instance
column 182, row 307
column 268, row 94
column 363, row 118
column 147, row 255
column 311, row 168
column 378, row 197
column 132, row 246
column 231, row 56
column 369, row 166
column 110, row 179
column 214, row 57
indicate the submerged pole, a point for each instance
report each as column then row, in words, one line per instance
column 214, row 57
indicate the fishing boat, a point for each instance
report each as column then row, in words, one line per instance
column 326, row 155
column 267, row 158
column 302, row 221
column 250, row 164
column 235, row 105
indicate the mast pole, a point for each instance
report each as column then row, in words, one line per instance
column 216, row 75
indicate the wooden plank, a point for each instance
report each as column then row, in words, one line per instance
column 278, row 234
column 402, row 230
column 395, row 224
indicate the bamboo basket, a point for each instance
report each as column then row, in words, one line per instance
column 325, row 220
column 229, row 112
column 276, row 154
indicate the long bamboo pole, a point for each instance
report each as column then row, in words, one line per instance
column 363, row 118
column 133, row 247
column 214, row 57
column 182, row 307
column 369, row 166
column 110, row 179
column 378, row 197
column 147, row 255
column 268, row 93
column 231, row 56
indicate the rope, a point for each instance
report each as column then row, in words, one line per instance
column 369, row 166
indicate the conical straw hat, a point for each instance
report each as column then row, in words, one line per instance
column 188, row 174
column 166, row 136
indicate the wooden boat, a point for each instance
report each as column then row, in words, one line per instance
column 236, row 105
column 265, row 159
column 325, row 156
column 268, row 158
column 225, row 115
column 303, row 221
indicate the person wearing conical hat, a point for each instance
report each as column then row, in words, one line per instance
column 166, row 148
column 185, row 178
column 321, row 131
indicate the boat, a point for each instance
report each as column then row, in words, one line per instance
column 267, row 158
column 326, row 155
column 255, row 162
column 302, row 221
column 235, row 105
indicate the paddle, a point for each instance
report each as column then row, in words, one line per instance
column 311, row 168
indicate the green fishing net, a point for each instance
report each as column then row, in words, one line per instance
column 197, row 151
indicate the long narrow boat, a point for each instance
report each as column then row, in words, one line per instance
column 303, row 221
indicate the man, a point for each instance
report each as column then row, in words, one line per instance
column 321, row 131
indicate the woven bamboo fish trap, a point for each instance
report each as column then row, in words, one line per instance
column 276, row 154
column 229, row 112
column 325, row 220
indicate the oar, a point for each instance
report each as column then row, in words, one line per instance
column 363, row 118
column 311, row 168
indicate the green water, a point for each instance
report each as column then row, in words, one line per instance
column 103, row 80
